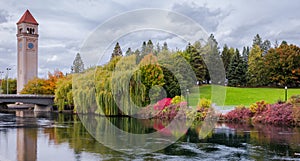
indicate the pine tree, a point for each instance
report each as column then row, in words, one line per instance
column 128, row 52
column 226, row 56
column 149, row 47
column 195, row 59
column 245, row 53
column 78, row 65
column 157, row 51
column 215, row 67
column 257, row 41
column 165, row 47
column 117, row 51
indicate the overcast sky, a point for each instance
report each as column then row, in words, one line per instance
column 65, row 25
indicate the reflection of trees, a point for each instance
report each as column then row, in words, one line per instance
column 279, row 140
column 272, row 139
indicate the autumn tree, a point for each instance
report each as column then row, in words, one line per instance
column 283, row 65
column 256, row 67
column 43, row 86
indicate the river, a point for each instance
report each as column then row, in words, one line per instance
column 54, row 137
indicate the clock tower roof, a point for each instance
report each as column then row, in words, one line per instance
column 27, row 18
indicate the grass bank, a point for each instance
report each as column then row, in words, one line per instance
column 240, row 96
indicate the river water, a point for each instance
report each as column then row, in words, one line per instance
column 63, row 137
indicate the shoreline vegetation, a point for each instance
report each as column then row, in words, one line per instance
column 148, row 80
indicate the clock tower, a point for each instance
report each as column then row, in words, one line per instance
column 27, row 47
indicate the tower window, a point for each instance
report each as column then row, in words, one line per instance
column 20, row 30
column 27, row 30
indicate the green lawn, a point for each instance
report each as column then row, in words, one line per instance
column 239, row 96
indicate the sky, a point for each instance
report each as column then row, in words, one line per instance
column 67, row 26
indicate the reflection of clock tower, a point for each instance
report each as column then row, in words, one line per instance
column 27, row 35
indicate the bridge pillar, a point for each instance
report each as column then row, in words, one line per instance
column 3, row 106
column 43, row 108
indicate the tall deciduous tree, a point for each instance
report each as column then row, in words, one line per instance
column 78, row 65
column 256, row 68
column 283, row 65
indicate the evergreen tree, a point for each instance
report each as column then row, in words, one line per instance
column 215, row 67
column 117, row 51
column 129, row 52
column 226, row 56
column 144, row 48
column 257, row 41
column 149, row 47
column 78, row 65
column 157, row 51
column 264, row 45
column 237, row 71
column 245, row 53
column 196, row 61
column 165, row 47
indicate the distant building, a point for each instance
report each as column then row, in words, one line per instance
column 27, row 37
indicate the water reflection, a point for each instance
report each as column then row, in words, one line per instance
column 64, row 137
column 26, row 143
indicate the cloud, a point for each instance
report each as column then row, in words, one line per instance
column 3, row 16
column 208, row 18
column 65, row 26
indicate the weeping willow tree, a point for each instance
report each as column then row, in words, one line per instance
column 63, row 93
column 127, row 88
column 84, row 92
column 119, row 87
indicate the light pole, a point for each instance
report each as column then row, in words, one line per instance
column 1, row 72
column 187, row 96
column 285, row 88
column 8, row 69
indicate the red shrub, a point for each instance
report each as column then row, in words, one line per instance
column 238, row 115
column 277, row 114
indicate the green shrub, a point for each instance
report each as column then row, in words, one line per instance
column 177, row 99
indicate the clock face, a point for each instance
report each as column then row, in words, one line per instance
column 30, row 45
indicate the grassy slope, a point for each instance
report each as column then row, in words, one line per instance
column 241, row 96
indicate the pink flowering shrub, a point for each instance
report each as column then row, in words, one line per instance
column 160, row 105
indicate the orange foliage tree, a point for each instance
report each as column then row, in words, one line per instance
column 43, row 86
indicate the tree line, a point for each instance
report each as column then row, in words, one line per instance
column 259, row 65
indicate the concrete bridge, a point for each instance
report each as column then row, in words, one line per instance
column 41, row 102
